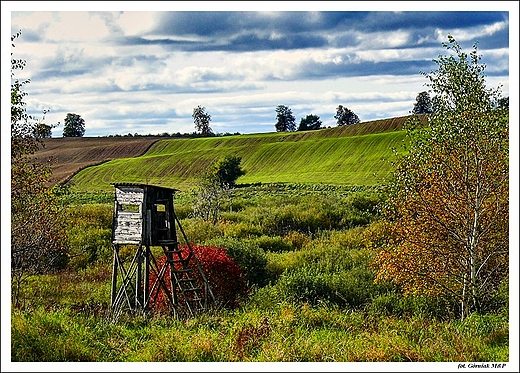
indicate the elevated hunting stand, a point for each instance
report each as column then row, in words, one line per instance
column 144, row 220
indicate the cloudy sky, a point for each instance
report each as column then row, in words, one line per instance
column 127, row 70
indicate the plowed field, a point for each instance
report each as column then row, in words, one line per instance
column 71, row 154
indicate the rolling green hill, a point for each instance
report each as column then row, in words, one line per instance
column 349, row 155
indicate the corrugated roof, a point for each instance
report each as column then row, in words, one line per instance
column 141, row 185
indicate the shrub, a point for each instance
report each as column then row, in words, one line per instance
column 354, row 288
column 225, row 277
column 395, row 304
column 89, row 246
column 278, row 263
column 89, row 234
column 200, row 231
column 274, row 244
column 297, row 240
column 367, row 202
column 91, row 215
column 241, row 230
column 183, row 211
column 249, row 256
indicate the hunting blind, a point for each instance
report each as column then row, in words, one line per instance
column 145, row 225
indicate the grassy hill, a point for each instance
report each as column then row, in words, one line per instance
column 350, row 155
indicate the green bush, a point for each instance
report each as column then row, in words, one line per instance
column 394, row 304
column 89, row 234
column 249, row 256
column 311, row 214
column 91, row 215
column 240, row 229
column 183, row 211
column 367, row 202
column 499, row 301
column 353, row 289
column 89, row 246
column 297, row 240
column 199, row 231
column 274, row 244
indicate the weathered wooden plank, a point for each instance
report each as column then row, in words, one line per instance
column 130, row 195
column 128, row 227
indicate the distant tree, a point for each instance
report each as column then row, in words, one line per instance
column 285, row 119
column 345, row 116
column 423, row 104
column 37, row 222
column 227, row 170
column 42, row 130
column 503, row 103
column 74, row 126
column 310, row 122
column 215, row 187
column 448, row 206
column 201, row 119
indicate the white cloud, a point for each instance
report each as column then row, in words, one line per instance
column 37, row 21
column 495, row 27
column 388, row 55
column 77, row 26
column 137, row 23
column 375, row 40
column 472, row 33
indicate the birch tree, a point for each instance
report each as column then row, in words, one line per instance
column 447, row 215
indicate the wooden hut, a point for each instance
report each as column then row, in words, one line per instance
column 145, row 225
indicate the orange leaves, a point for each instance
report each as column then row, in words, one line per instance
column 226, row 278
column 448, row 206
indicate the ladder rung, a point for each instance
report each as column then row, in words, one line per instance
column 167, row 242
column 178, row 260
column 193, row 289
column 172, row 251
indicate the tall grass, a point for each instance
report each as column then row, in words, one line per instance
column 89, row 234
column 313, row 294
column 282, row 333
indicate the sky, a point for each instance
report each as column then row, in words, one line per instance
column 128, row 68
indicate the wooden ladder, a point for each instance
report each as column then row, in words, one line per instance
column 186, row 289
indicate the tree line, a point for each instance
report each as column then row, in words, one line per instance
column 74, row 125
column 285, row 120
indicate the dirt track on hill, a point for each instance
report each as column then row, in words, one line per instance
column 71, row 154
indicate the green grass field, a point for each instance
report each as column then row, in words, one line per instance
column 349, row 155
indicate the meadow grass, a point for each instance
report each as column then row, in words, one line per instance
column 285, row 332
column 313, row 295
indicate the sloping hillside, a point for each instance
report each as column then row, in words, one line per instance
column 71, row 154
column 357, row 154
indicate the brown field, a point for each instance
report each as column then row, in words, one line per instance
column 71, row 154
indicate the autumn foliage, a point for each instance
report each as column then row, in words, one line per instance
column 447, row 217
column 225, row 277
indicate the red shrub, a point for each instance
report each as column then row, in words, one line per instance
column 225, row 277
